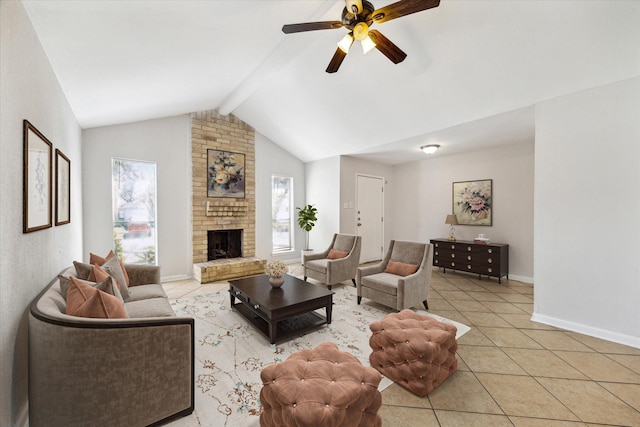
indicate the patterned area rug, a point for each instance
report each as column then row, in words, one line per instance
column 230, row 353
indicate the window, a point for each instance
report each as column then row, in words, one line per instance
column 134, row 210
column 282, row 213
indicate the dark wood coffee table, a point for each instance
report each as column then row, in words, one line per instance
column 282, row 312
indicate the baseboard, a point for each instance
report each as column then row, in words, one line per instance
column 175, row 278
column 588, row 330
column 523, row 279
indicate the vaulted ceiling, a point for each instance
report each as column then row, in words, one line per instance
column 474, row 70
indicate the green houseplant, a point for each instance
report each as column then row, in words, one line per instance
column 307, row 220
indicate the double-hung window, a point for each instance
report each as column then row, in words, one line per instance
column 282, row 213
column 134, row 210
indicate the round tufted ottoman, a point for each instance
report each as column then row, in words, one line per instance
column 320, row 387
column 415, row 351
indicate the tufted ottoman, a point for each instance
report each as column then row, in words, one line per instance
column 418, row 352
column 320, row 387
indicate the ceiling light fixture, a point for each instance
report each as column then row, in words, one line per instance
column 430, row 149
column 345, row 43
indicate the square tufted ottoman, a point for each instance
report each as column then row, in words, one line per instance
column 415, row 351
column 320, row 387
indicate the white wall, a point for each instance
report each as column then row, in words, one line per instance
column 273, row 160
column 164, row 141
column 322, row 179
column 587, row 212
column 422, row 194
column 28, row 262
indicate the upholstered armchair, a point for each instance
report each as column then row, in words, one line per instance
column 401, row 279
column 339, row 262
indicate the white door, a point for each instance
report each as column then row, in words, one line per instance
column 370, row 216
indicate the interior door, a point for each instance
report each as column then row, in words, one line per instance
column 370, row 216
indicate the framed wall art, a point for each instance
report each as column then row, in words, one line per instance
column 472, row 202
column 225, row 174
column 63, row 188
column 36, row 180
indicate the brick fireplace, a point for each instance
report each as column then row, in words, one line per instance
column 210, row 130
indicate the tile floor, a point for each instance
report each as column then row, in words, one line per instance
column 512, row 371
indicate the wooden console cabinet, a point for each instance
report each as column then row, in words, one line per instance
column 490, row 260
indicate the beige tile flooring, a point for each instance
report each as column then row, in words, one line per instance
column 512, row 371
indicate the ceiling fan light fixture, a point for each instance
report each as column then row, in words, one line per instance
column 345, row 43
column 361, row 31
column 367, row 44
column 429, row 149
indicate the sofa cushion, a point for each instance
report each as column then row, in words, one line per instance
column 400, row 268
column 318, row 265
column 152, row 307
column 143, row 292
column 87, row 301
column 98, row 260
column 335, row 254
column 382, row 282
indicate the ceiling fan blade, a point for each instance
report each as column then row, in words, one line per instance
column 311, row 26
column 386, row 46
column 335, row 62
column 402, row 8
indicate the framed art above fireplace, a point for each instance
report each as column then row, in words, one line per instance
column 225, row 174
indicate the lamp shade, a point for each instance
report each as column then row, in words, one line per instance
column 451, row 219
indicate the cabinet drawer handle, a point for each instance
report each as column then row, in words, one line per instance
column 453, row 255
column 437, row 253
column 453, row 264
column 238, row 292
column 468, row 248
column 453, row 246
column 489, row 260
column 490, row 270
column 490, row 251
column 257, row 306
column 469, row 258
column 436, row 261
column 468, row 267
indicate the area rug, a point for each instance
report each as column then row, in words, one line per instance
column 230, row 353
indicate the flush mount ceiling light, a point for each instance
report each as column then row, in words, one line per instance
column 430, row 149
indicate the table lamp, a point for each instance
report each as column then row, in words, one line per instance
column 452, row 220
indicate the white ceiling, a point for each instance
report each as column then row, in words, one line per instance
column 473, row 73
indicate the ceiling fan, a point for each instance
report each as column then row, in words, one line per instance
column 357, row 17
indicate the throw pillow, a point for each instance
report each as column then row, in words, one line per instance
column 98, row 260
column 112, row 266
column 86, row 301
column 105, row 285
column 400, row 268
column 334, row 254
column 82, row 270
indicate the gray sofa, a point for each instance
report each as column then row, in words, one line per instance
column 137, row 371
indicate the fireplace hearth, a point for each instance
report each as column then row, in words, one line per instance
column 224, row 244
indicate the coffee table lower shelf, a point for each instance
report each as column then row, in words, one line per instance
column 285, row 328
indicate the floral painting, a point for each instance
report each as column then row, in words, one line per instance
column 225, row 174
column 472, row 202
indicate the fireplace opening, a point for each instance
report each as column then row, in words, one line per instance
column 224, row 244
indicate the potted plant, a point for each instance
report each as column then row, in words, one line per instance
column 307, row 220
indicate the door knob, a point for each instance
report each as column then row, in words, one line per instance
column 359, row 224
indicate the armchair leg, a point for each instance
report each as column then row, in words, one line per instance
column 359, row 300
column 305, row 278
column 426, row 306
column 354, row 282
column 329, row 287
